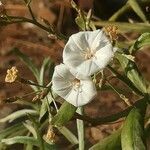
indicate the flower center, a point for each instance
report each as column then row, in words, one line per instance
column 76, row 83
column 88, row 54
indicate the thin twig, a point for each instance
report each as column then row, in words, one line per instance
column 18, row 19
column 110, row 118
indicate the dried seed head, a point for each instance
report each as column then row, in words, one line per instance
column 50, row 135
column 11, row 75
column 112, row 32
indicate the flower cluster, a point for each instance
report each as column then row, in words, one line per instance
column 112, row 32
column 84, row 54
column 11, row 75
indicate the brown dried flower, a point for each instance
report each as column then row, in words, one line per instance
column 50, row 135
column 11, row 75
column 112, row 32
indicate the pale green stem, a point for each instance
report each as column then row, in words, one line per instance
column 124, row 9
column 119, row 12
column 80, row 127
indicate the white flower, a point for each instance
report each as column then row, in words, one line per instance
column 88, row 52
column 78, row 92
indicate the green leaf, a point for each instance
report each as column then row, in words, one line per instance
column 28, row 62
column 8, row 131
column 34, row 88
column 44, row 67
column 26, row 140
column 64, row 114
column 18, row 114
column 133, row 131
column 80, row 22
column 68, row 134
column 137, row 9
column 112, row 142
column 29, row 126
column 80, row 128
column 125, row 27
column 51, row 70
column 26, row 103
column 36, row 126
column 29, row 146
column 43, row 109
column 143, row 40
column 132, row 72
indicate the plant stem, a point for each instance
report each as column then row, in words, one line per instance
column 113, row 117
column 124, row 9
column 31, row 12
column 24, row 81
column 119, row 12
column 17, row 19
column 124, row 26
column 126, row 100
column 80, row 127
column 125, row 80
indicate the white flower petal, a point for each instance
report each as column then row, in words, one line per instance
column 60, row 80
column 62, row 84
column 87, row 52
column 100, row 40
column 82, row 96
column 87, row 67
column 62, row 71
column 104, row 56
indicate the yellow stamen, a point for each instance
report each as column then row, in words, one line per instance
column 76, row 83
column 88, row 54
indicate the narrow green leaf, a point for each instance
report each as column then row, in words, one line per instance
column 34, row 88
column 8, row 131
column 132, row 72
column 125, row 27
column 44, row 67
column 68, row 134
column 112, row 142
column 64, row 114
column 137, row 9
column 80, row 22
column 51, row 70
column 143, row 40
column 29, row 126
column 29, row 146
column 26, row 140
column 80, row 128
column 26, row 103
column 28, row 62
column 133, row 131
column 18, row 114
column 43, row 109
column 36, row 127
